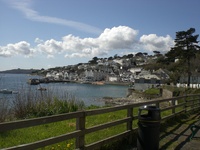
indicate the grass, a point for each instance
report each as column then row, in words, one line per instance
column 152, row 91
column 22, row 136
column 31, row 134
column 33, row 103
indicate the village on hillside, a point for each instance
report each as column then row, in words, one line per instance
column 120, row 70
column 127, row 70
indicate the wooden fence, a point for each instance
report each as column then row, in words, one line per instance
column 172, row 106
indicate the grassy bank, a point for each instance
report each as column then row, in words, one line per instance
column 22, row 136
column 34, row 103
column 31, row 134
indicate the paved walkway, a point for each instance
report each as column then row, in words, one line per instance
column 177, row 137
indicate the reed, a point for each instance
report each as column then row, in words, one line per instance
column 31, row 103
column 4, row 109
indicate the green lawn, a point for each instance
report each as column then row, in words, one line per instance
column 32, row 134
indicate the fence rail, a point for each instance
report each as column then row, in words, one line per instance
column 175, row 105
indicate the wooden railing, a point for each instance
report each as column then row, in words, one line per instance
column 172, row 106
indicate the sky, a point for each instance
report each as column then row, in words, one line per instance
column 51, row 33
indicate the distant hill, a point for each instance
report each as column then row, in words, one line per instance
column 19, row 71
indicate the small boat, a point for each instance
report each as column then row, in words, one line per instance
column 42, row 89
column 15, row 92
column 6, row 91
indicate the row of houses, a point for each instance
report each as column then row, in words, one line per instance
column 118, row 70
column 136, row 76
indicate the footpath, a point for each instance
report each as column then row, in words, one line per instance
column 176, row 136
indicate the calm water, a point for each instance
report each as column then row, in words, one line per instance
column 90, row 94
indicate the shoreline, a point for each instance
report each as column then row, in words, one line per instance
column 47, row 80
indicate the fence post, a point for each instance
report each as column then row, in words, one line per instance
column 173, row 104
column 80, row 125
column 193, row 104
column 185, row 99
column 130, row 123
column 199, row 102
column 158, row 105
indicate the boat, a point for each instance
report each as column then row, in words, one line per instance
column 41, row 89
column 15, row 92
column 6, row 91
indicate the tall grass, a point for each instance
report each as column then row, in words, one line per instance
column 33, row 103
column 4, row 109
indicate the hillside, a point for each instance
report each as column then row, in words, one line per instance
column 19, row 71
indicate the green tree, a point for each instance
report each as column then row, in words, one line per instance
column 93, row 61
column 139, row 54
column 95, row 58
column 115, row 56
column 130, row 56
column 186, row 46
column 156, row 53
column 110, row 58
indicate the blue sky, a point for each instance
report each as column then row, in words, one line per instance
column 48, row 33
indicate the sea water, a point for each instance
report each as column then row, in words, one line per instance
column 89, row 93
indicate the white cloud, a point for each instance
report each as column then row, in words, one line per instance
column 120, row 39
column 25, row 6
column 152, row 42
column 38, row 40
column 117, row 38
column 20, row 48
column 50, row 47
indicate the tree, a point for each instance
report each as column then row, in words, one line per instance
column 110, row 58
column 93, row 61
column 130, row 56
column 145, row 54
column 186, row 46
column 115, row 56
column 95, row 58
column 139, row 54
column 156, row 53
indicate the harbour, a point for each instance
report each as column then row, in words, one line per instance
column 90, row 94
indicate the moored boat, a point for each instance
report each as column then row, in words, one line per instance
column 42, row 89
column 5, row 91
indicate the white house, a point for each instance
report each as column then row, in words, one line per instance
column 66, row 75
column 194, row 81
column 145, row 80
column 113, row 78
column 136, row 71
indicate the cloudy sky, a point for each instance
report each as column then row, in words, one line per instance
column 48, row 33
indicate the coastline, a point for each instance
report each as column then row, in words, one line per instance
column 47, row 80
